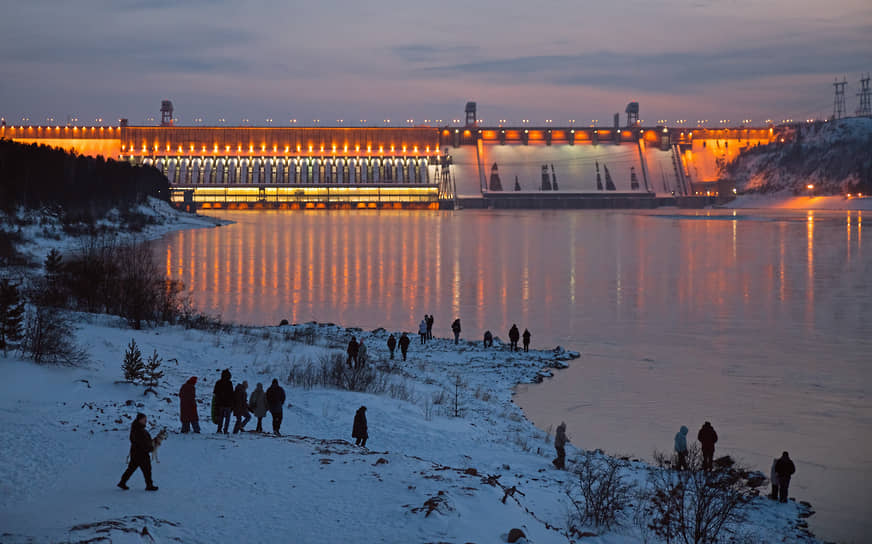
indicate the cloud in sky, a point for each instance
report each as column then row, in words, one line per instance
column 387, row 58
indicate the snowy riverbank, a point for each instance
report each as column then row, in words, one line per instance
column 41, row 232
column 786, row 200
column 423, row 477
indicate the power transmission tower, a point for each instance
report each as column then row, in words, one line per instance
column 865, row 109
column 839, row 108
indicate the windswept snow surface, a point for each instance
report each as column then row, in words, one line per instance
column 64, row 436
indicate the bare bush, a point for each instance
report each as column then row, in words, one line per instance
column 48, row 338
column 332, row 371
column 695, row 506
column 600, row 492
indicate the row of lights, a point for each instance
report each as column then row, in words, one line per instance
column 275, row 148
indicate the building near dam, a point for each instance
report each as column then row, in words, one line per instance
column 415, row 167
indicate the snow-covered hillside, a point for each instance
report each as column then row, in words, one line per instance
column 834, row 157
column 425, row 475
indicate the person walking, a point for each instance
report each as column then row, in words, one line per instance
column 258, row 405
column 404, row 344
column 352, row 351
column 560, row 441
column 223, row 400
column 392, row 345
column 707, row 437
column 140, row 447
column 422, row 330
column 455, row 328
column 514, row 336
column 188, row 406
column 361, row 355
column 429, row 319
column 275, row 400
column 773, row 478
column 784, row 468
column 488, row 339
column 526, row 337
column 240, row 407
column 359, row 431
column 681, row 448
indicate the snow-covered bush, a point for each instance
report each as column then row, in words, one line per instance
column 695, row 506
column 600, row 492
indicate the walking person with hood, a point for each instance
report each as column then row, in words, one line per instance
column 404, row 344
column 526, row 337
column 707, row 437
column 240, row 407
column 422, row 330
column 560, row 441
column 359, row 431
column 275, row 400
column 392, row 345
column 352, row 351
column 455, row 328
column 514, row 336
column 784, row 468
column 258, row 405
column 681, row 448
column 140, row 448
column 223, row 400
column 188, row 406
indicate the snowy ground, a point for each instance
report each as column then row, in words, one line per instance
column 45, row 233
column 64, row 440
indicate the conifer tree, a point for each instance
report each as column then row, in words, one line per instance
column 134, row 368
column 54, row 294
column 11, row 316
column 152, row 373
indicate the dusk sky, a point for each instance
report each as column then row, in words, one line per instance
column 329, row 60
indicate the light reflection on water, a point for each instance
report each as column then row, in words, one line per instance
column 756, row 321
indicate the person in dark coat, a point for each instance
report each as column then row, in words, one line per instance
column 404, row 344
column 258, row 405
column 560, row 441
column 488, row 339
column 392, row 345
column 359, row 431
column 429, row 319
column 526, row 337
column 784, row 468
column 223, row 397
column 240, row 407
column 188, row 406
column 707, row 437
column 275, row 400
column 514, row 336
column 352, row 351
column 455, row 328
column 140, row 447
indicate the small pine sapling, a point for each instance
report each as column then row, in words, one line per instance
column 134, row 368
column 152, row 373
column 11, row 316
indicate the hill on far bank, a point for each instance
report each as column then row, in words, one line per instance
column 835, row 157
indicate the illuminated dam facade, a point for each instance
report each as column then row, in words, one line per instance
column 416, row 167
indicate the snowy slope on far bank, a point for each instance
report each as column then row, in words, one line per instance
column 835, row 157
column 42, row 233
column 424, row 476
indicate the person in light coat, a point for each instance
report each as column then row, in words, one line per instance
column 258, row 405
column 681, row 448
column 422, row 331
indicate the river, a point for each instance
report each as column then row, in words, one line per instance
column 758, row 321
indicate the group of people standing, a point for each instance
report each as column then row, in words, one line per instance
column 781, row 471
column 404, row 344
column 227, row 401
column 356, row 353
column 514, row 336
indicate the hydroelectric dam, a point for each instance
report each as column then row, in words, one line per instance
column 420, row 167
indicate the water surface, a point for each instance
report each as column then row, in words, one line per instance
column 757, row 321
